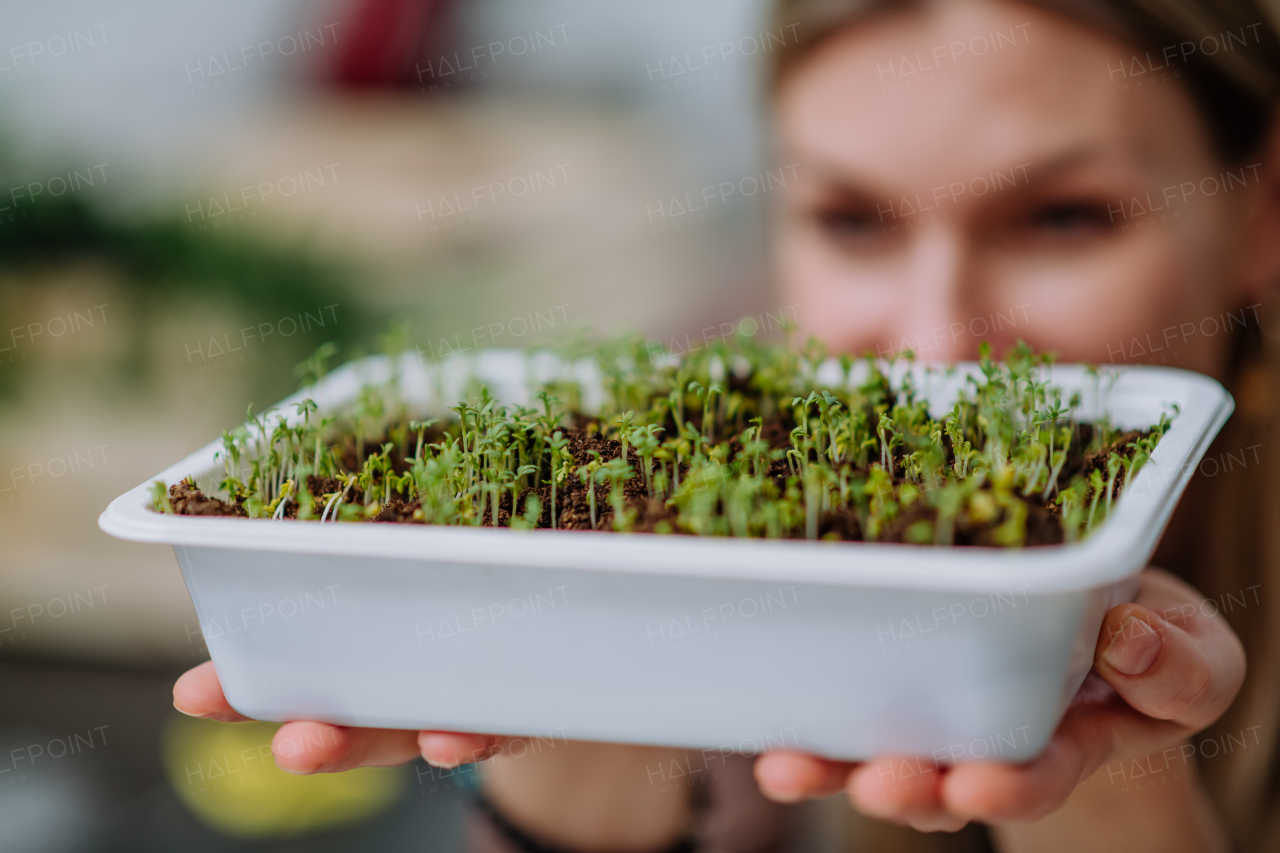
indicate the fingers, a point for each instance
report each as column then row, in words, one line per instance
column 1167, row 658
column 904, row 790
column 997, row 793
column 306, row 747
column 449, row 749
column 1174, row 668
column 789, row 777
column 1166, row 666
column 898, row 789
column 198, row 693
column 929, row 798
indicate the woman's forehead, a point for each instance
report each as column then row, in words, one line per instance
column 889, row 92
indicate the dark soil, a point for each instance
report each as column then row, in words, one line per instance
column 186, row 499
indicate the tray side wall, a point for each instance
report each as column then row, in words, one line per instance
column 715, row 665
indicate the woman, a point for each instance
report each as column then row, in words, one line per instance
column 1084, row 175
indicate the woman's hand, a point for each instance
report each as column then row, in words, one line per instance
column 306, row 747
column 579, row 795
column 1162, row 672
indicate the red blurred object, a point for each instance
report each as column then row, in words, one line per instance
column 386, row 37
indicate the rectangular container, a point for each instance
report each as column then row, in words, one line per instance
column 844, row 649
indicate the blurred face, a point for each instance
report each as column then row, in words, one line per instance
column 1020, row 193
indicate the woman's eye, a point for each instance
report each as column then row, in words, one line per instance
column 1070, row 218
column 848, row 224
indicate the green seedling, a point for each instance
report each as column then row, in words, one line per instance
column 316, row 366
column 277, row 507
column 560, row 459
column 617, row 472
column 589, row 475
column 860, row 454
column 623, row 423
column 160, row 497
column 645, row 441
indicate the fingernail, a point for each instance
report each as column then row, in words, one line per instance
column 294, row 772
column 188, row 713
column 1134, row 649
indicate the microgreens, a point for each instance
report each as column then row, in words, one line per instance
column 741, row 440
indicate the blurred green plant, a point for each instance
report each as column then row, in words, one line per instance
column 158, row 265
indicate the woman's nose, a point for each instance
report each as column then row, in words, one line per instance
column 939, row 297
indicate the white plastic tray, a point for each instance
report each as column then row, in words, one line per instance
column 844, row 649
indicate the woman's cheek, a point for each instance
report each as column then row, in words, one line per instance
column 849, row 317
column 1088, row 307
column 837, row 301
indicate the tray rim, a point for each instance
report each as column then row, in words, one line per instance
column 1117, row 551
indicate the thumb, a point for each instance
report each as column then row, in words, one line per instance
column 1185, row 669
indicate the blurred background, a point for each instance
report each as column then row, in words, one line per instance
column 192, row 198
